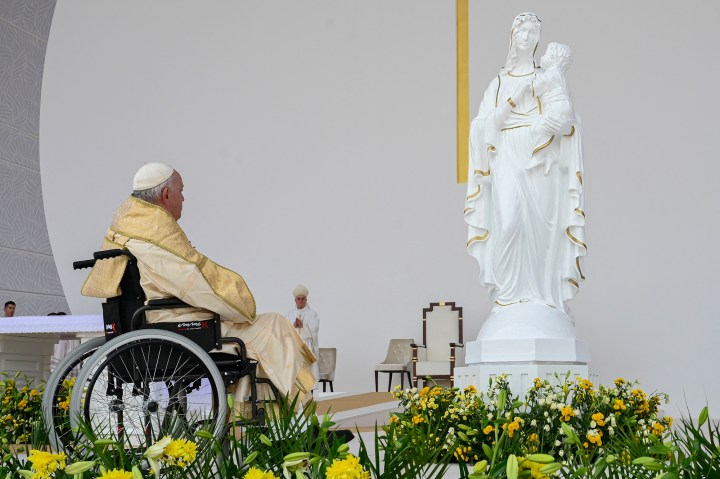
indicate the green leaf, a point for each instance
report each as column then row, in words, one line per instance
column 659, row 449
column 580, row 471
column 600, row 466
column 103, row 442
column 202, row 433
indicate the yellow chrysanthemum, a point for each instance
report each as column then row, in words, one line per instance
column 64, row 405
column 34, row 393
column 348, row 468
column 417, row 419
column 595, row 437
column 424, row 391
column 488, row 429
column 599, row 418
column 566, row 413
column 643, row 407
column 619, row 405
column 512, row 427
column 116, row 474
column 534, row 468
column 658, row 429
column 619, row 382
column 471, row 389
column 180, row 452
column 255, row 473
column 584, row 384
column 45, row 464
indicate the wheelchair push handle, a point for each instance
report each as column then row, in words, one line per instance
column 87, row 263
column 110, row 253
column 98, row 255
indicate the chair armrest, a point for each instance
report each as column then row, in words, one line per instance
column 457, row 345
column 413, row 345
column 166, row 303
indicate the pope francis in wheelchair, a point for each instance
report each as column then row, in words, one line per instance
column 180, row 331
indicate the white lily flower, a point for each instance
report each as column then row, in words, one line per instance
column 157, row 449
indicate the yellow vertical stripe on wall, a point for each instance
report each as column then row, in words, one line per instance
column 463, row 90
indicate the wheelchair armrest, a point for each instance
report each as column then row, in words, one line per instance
column 162, row 303
column 238, row 344
column 167, row 303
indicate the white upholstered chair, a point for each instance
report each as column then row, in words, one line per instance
column 442, row 334
column 326, row 365
column 397, row 360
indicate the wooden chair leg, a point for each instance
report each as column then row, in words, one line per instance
column 402, row 380
column 376, row 381
column 324, row 383
column 331, row 387
column 390, row 374
column 409, row 378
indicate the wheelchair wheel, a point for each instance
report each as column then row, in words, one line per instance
column 56, row 405
column 148, row 384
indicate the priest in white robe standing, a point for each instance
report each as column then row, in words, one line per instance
column 170, row 267
column 306, row 323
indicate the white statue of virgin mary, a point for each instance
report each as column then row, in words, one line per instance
column 524, row 206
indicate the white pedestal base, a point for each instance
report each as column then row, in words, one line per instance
column 525, row 340
column 527, row 332
column 519, row 375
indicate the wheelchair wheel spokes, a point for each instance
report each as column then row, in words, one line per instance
column 144, row 389
column 58, row 390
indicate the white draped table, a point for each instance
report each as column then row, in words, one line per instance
column 27, row 342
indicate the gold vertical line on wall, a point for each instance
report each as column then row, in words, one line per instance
column 463, row 89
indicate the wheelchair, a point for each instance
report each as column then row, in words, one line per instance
column 144, row 381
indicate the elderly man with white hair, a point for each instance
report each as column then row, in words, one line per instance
column 306, row 322
column 170, row 267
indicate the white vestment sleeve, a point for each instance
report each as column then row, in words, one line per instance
column 164, row 275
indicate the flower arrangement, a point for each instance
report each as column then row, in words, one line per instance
column 562, row 428
column 20, row 408
column 176, row 454
column 568, row 421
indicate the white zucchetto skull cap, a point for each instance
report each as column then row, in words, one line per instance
column 300, row 290
column 151, row 175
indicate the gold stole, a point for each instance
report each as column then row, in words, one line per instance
column 139, row 220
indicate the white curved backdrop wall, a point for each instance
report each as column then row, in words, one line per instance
column 317, row 144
